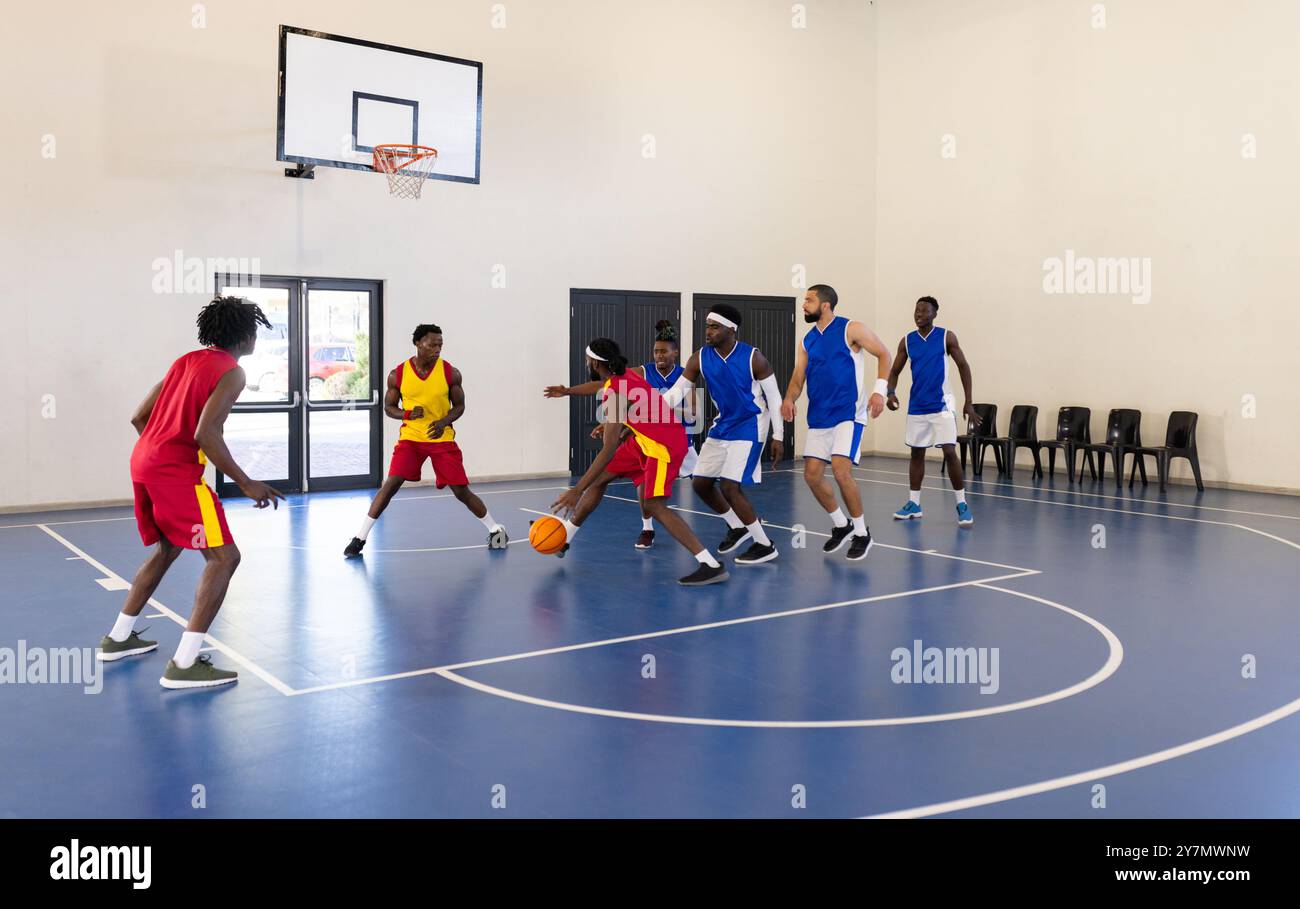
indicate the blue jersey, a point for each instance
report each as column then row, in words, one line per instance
column 663, row 384
column 836, row 393
column 929, row 359
column 734, row 392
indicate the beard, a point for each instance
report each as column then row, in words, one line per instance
column 811, row 319
column 595, row 376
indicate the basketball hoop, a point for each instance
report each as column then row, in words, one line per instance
column 406, row 167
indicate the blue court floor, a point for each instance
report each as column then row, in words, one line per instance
column 436, row 678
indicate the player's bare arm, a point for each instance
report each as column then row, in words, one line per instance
column 612, row 434
column 895, row 371
column 211, row 439
column 393, row 400
column 586, row 388
column 456, row 392
column 795, row 388
column 863, row 338
column 142, row 413
column 963, row 369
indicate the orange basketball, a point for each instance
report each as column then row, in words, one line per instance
column 547, row 535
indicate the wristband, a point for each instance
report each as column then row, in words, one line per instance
column 883, row 389
column 406, row 415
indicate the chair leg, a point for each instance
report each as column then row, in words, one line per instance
column 1092, row 466
column 1038, row 463
column 1132, row 473
column 999, row 460
column 1142, row 467
column 1162, row 468
column 1051, row 462
column 1196, row 471
column 1118, row 458
column 962, row 446
column 1009, row 455
column 1099, row 471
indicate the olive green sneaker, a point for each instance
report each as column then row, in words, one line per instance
column 110, row 649
column 202, row 674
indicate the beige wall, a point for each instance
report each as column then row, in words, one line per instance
column 1117, row 141
column 165, row 141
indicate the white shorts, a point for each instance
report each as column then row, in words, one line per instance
column 733, row 459
column 930, row 430
column 843, row 440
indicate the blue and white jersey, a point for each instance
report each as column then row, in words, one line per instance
column 929, row 361
column 836, row 391
column 737, row 395
column 663, row 384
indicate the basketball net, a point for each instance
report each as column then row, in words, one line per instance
column 406, row 167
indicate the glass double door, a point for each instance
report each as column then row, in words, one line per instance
column 310, row 416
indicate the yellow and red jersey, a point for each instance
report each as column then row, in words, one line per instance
column 658, row 430
column 166, row 451
column 432, row 392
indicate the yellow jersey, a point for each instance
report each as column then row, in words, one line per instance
column 432, row 392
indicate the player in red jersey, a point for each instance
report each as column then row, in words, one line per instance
column 180, row 425
column 645, row 441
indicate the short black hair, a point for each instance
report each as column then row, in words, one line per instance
column 229, row 321
column 727, row 312
column 608, row 351
column 934, row 304
column 423, row 329
column 826, row 294
column 664, row 331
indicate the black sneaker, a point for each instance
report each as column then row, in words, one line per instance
column 646, row 540
column 860, row 547
column 563, row 550
column 354, row 548
column 705, row 574
column 735, row 536
column 839, row 536
column 498, row 538
column 757, row 554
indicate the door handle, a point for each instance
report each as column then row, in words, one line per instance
column 348, row 405
column 245, row 408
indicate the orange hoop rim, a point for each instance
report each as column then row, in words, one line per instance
column 390, row 152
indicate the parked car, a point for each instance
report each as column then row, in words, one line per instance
column 325, row 360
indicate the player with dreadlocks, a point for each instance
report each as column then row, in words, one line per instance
column 662, row 372
column 180, row 427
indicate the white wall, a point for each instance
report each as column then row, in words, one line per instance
column 165, row 141
column 1118, row 141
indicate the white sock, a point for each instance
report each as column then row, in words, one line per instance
column 961, row 496
column 489, row 522
column 570, row 530
column 733, row 522
column 914, row 496
column 860, row 526
column 837, row 517
column 704, row 557
column 365, row 527
column 188, row 651
column 123, row 627
column 647, row 523
column 756, row 532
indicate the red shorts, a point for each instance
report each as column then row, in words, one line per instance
column 448, row 467
column 654, row 475
column 188, row 516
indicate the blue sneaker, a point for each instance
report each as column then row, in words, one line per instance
column 964, row 517
column 908, row 511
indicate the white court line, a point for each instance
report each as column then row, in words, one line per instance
column 432, row 549
column 238, row 658
column 1138, row 514
column 1096, row 495
column 657, row 634
column 817, row 533
column 443, row 495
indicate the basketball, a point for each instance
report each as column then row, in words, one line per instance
column 547, row 535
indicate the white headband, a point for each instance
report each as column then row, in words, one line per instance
column 595, row 356
column 721, row 320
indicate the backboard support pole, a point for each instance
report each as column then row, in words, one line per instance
column 301, row 172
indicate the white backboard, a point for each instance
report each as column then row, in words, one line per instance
column 339, row 97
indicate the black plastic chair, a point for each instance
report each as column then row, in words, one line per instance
column 1123, row 435
column 1073, row 431
column 1021, row 433
column 981, row 438
column 1180, row 442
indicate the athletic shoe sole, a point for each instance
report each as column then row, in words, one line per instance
column 767, row 558
column 736, row 545
column 173, row 684
column 844, row 542
column 110, row 657
column 715, row 580
column 965, row 523
column 908, row 517
column 865, row 553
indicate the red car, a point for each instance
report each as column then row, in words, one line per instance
column 326, row 359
